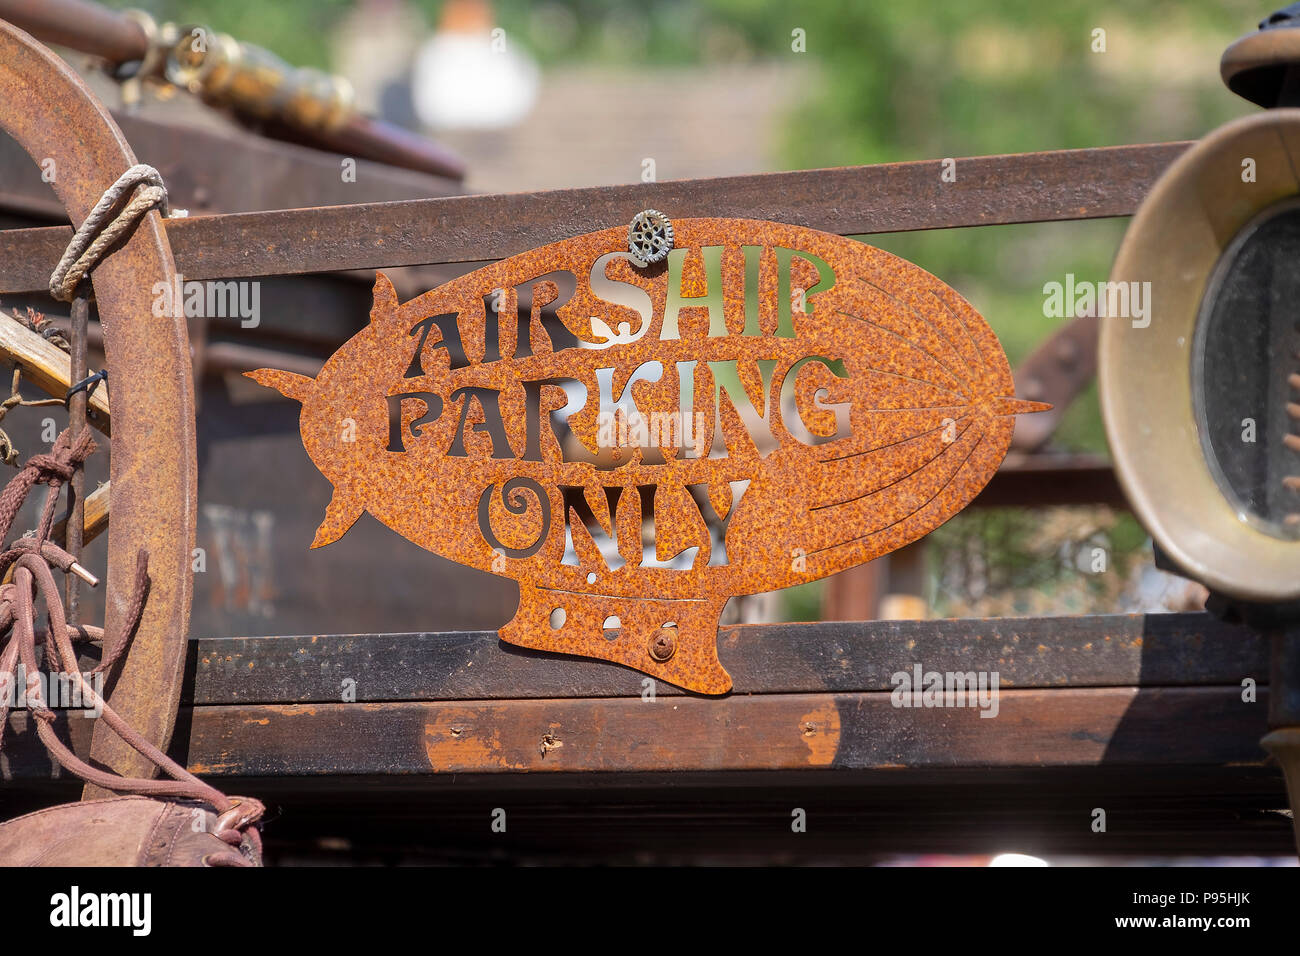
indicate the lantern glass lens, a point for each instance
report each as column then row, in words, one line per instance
column 1246, row 372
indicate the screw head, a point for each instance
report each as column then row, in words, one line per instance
column 663, row 646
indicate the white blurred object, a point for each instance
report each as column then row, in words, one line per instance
column 1016, row 859
column 471, row 75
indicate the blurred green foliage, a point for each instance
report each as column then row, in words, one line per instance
column 298, row 31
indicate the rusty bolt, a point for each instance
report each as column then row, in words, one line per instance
column 663, row 645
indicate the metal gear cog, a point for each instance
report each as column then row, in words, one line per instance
column 650, row 237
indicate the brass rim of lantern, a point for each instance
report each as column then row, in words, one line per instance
column 1175, row 241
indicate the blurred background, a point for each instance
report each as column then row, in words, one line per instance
column 541, row 95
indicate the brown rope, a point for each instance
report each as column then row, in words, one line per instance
column 43, row 327
column 52, row 468
column 32, row 560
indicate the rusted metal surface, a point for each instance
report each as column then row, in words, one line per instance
column 75, row 528
column 260, row 501
column 211, row 169
column 261, row 498
column 887, row 404
column 859, row 200
column 51, row 113
column 79, row 24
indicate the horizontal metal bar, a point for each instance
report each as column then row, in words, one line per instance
column 856, row 200
column 1101, row 650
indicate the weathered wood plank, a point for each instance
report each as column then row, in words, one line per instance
column 1156, row 727
column 94, row 518
column 853, row 816
column 47, row 367
column 840, row 657
column 1034, row 728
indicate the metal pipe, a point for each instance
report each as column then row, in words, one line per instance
column 76, row 422
column 84, row 26
column 316, row 114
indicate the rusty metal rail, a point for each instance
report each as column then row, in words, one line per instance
column 859, row 200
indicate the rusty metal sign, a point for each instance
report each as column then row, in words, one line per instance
column 635, row 442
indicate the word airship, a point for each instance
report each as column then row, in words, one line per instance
column 767, row 406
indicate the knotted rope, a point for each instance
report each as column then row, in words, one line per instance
column 144, row 185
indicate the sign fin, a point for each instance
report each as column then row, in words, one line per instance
column 1009, row 405
column 342, row 514
column 289, row 384
column 385, row 298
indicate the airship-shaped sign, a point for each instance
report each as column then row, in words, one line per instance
column 766, row 406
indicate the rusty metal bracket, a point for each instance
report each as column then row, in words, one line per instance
column 55, row 118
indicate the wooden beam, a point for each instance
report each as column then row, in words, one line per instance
column 96, row 517
column 1167, row 726
column 48, row 367
column 1112, row 726
column 839, row 657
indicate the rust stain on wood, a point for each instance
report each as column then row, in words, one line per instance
column 771, row 405
column 467, row 737
column 820, row 729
